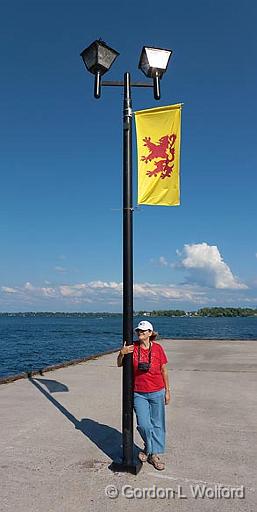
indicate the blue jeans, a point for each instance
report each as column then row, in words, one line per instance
column 150, row 413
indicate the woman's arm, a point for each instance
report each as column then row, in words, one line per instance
column 120, row 358
column 165, row 376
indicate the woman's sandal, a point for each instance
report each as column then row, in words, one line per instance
column 142, row 456
column 156, row 462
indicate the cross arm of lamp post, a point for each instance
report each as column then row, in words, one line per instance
column 115, row 83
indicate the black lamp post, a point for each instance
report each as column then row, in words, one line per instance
column 98, row 58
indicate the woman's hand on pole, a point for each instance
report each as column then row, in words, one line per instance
column 126, row 349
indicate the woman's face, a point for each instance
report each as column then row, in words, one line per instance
column 143, row 335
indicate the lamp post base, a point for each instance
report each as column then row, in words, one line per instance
column 122, row 467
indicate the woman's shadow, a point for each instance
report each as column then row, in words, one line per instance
column 107, row 439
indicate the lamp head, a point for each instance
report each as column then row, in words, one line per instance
column 154, row 61
column 98, row 57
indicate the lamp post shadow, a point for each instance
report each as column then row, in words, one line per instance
column 107, row 439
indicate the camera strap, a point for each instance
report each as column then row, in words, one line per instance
column 149, row 353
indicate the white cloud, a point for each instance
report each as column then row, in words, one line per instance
column 101, row 285
column 109, row 292
column 29, row 286
column 205, row 266
column 7, row 289
column 60, row 269
column 163, row 262
column 155, row 292
column 209, row 282
column 75, row 290
column 48, row 292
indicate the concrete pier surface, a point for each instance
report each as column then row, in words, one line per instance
column 61, row 430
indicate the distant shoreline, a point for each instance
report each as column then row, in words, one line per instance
column 214, row 312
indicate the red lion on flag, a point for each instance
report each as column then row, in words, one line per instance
column 163, row 154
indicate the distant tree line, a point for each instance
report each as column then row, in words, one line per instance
column 61, row 314
column 215, row 312
column 227, row 312
column 163, row 312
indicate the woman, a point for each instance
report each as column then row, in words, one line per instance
column 151, row 391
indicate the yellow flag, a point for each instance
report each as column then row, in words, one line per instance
column 158, row 148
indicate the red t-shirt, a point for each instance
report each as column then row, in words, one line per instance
column 151, row 380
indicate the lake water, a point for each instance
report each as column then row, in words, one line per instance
column 31, row 343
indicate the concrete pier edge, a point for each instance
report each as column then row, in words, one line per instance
column 64, row 364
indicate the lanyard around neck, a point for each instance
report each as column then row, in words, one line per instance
column 149, row 353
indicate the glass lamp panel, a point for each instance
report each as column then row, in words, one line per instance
column 157, row 58
column 89, row 56
column 144, row 64
column 106, row 56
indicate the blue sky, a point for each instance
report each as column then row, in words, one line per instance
column 61, row 157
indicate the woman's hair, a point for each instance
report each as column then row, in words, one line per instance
column 154, row 335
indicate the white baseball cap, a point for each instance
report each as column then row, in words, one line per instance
column 144, row 326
